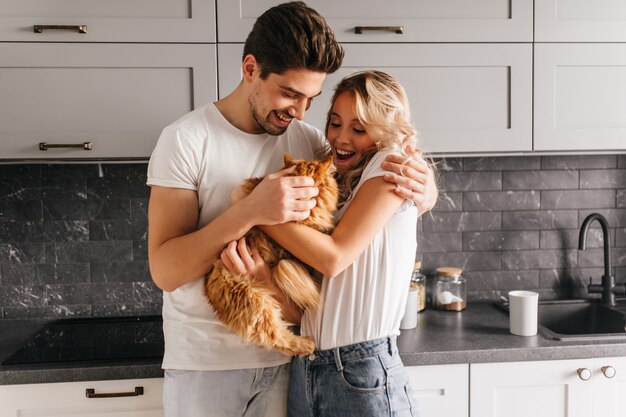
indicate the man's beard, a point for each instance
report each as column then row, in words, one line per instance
column 265, row 124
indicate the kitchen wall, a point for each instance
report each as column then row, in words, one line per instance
column 73, row 236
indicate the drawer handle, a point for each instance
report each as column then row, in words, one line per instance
column 398, row 29
column 91, row 393
column 584, row 374
column 608, row 371
column 44, row 146
column 78, row 28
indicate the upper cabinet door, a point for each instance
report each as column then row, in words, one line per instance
column 580, row 97
column 382, row 21
column 107, row 21
column 580, row 21
column 118, row 97
column 464, row 97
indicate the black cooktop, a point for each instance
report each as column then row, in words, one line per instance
column 93, row 339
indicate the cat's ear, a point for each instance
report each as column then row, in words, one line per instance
column 327, row 163
column 288, row 160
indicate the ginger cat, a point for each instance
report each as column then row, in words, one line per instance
column 249, row 309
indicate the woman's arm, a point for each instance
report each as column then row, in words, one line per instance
column 371, row 208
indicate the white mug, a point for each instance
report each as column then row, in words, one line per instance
column 409, row 321
column 523, row 307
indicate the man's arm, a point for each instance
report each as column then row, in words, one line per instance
column 180, row 253
column 414, row 179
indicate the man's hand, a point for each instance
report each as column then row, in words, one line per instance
column 241, row 261
column 414, row 178
column 281, row 198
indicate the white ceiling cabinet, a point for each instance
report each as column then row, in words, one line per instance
column 107, row 21
column 580, row 21
column 101, row 79
column 580, row 97
column 464, row 97
column 398, row 21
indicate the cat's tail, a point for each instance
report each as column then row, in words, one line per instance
column 297, row 283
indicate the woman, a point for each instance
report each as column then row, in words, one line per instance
column 366, row 262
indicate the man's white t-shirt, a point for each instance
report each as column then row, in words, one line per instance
column 366, row 301
column 203, row 152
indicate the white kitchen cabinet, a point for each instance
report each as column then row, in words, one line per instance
column 419, row 20
column 464, row 97
column 108, row 21
column 580, row 97
column 609, row 386
column 69, row 399
column 580, row 21
column 538, row 389
column 562, row 388
column 118, row 97
column 441, row 390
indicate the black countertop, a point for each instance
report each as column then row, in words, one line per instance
column 478, row 334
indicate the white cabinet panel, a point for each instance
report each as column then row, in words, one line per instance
column 464, row 97
column 109, row 21
column 117, row 96
column 69, row 399
column 580, row 21
column 580, row 97
column 538, row 389
column 609, row 386
column 441, row 390
column 421, row 20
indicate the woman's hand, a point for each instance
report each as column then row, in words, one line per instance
column 239, row 260
column 414, row 178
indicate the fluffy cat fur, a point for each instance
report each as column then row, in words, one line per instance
column 249, row 309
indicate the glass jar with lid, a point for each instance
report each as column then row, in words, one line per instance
column 418, row 281
column 450, row 291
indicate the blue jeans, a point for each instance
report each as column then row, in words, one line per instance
column 235, row 393
column 360, row 380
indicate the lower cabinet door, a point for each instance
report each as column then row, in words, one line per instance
column 440, row 390
column 144, row 398
column 609, row 387
column 537, row 389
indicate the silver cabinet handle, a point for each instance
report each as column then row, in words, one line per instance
column 91, row 393
column 608, row 371
column 360, row 29
column 78, row 28
column 44, row 146
column 584, row 374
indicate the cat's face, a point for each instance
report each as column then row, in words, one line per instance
column 314, row 169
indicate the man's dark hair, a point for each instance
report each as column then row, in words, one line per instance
column 293, row 36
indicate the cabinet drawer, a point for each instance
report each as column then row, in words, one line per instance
column 464, row 97
column 441, row 390
column 117, row 96
column 109, row 21
column 580, row 97
column 69, row 399
column 421, row 20
column 580, row 21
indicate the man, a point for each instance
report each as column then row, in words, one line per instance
column 198, row 161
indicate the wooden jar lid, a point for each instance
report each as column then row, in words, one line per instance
column 449, row 271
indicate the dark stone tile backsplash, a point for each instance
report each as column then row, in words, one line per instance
column 73, row 236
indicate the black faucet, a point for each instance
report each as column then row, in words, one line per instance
column 608, row 289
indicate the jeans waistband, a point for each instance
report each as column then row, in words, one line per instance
column 353, row 352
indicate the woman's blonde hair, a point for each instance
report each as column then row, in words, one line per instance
column 382, row 107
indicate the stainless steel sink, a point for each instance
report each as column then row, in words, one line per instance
column 579, row 320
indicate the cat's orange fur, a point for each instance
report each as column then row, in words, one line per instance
column 246, row 306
